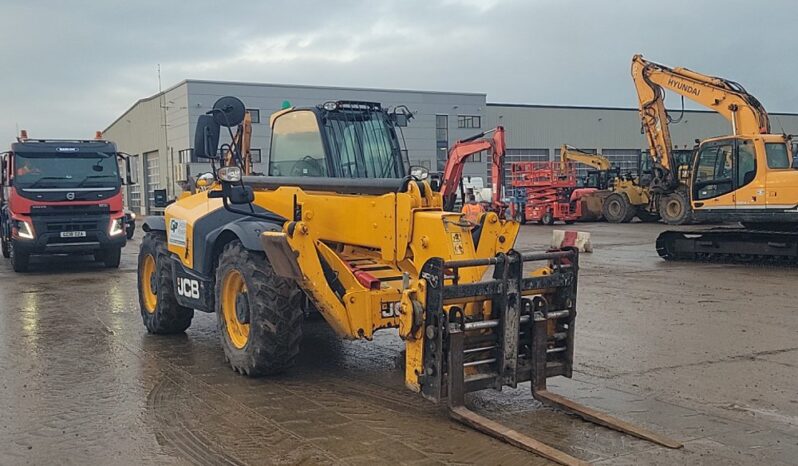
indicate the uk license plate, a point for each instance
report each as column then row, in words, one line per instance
column 73, row 234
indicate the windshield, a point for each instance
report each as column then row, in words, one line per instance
column 86, row 169
column 363, row 145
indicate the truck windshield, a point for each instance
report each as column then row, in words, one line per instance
column 42, row 170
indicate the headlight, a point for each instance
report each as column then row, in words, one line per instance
column 229, row 174
column 24, row 229
column 116, row 227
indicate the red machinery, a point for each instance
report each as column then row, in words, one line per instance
column 452, row 177
column 543, row 192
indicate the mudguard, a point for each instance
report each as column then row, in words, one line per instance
column 154, row 223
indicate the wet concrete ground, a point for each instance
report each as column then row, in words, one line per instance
column 705, row 353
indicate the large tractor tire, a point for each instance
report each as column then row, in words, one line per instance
column 618, row 209
column 259, row 314
column 674, row 208
column 19, row 260
column 159, row 308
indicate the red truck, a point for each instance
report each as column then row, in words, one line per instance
column 62, row 197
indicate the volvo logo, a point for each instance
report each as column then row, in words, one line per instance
column 70, row 196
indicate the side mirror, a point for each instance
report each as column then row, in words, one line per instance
column 131, row 169
column 421, row 173
column 206, row 138
column 204, row 180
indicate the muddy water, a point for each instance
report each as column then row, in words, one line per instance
column 705, row 353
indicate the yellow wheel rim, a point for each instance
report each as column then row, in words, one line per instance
column 233, row 286
column 147, row 284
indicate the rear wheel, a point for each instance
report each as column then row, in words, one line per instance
column 19, row 260
column 548, row 219
column 618, row 209
column 258, row 313
column 159, row 308
column 674, row 208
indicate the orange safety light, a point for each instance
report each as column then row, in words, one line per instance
column 98, row 135
column 23, row 134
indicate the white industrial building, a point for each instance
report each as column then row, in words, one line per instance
column 159, row 130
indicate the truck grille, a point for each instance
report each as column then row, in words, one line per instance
column 79, row 225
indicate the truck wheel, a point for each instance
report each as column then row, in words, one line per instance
column 618, row 209
column 5, row 248
column 19, row 260
column 259, row 314
column 109, row 257
column 520, row 216
column 547, row 219
column 159, row 309
column 674, row 208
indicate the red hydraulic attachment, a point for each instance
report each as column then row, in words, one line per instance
column 459, row 152
column 543, row 192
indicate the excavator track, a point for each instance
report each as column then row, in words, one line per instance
column 730, row 245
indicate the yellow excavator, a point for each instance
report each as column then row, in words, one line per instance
column 618, row 198
column 747, row 176
column 340, row 222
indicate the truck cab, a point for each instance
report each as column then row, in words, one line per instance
column 62, row 197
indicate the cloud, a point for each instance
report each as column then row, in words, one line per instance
column 72, row 67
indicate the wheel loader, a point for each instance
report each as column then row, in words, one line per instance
column 337, row 221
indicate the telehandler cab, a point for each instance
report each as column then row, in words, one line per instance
column 338, row 219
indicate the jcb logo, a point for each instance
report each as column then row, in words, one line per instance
column 188, row 288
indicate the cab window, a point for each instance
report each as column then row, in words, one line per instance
column 746, row 163
column 777, row 155
column 713, row 176
column 296, row 148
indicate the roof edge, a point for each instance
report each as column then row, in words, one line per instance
column 592, row 107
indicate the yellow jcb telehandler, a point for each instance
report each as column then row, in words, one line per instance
column 338, row 219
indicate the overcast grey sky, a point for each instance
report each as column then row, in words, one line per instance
column 71, row 67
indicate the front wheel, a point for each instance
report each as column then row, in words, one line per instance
column 548, row 219
column 617, row 208
column 258, row 313
column 19, row 259
column 674, row 208
column 109, row 257
column 160, row 311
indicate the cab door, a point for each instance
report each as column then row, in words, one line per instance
column 749, row 183
column 713, row 176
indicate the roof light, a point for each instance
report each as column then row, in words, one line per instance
column 23, row 134
column 98, row 135
column 286, row 105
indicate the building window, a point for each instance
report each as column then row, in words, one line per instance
column 441, row 141
column 475, row 158
column 185, row 156
column 254, row 155
column 469, row 121
column 255, row 114
column 627, row 159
